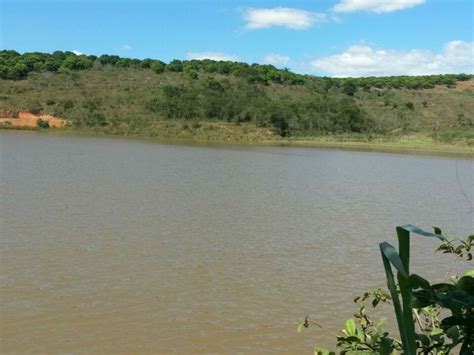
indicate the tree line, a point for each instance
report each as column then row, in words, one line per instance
column 16, row 66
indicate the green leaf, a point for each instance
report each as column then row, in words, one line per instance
column 455, row 299
column 416, row 281
column 469, row 273
column 466, row 283
column 381, row 325
column 386, row 346
column 452, row 321
column 436, row 331
column 425, row 341
column 453, row 333
column 392, row 255
column 349, row 339
column 420, row 302
column 350, row 327
column 394, row 294
column 443, row 287
column 414, row 229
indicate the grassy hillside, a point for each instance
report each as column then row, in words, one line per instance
column 234, row 101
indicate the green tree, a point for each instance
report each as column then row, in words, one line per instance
column 175, row 66
column 349, row 87
column 74, row 62
column 35, row 107
column 106, row 59
column 158, row 66
column 280, row 124
column 18, row 71
column 3, row 71
column 50, row 65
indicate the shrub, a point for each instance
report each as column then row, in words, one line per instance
column 35, row 107
column 94, row 118
column 280, row 124
column 18, row 71
column 349, row 87
column 42, row 123
column 158, row 66
column 67, row 104
column 443, row 313
column 175, row 66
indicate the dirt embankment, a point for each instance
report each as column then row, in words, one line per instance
column 28, row 119
column 460, row 86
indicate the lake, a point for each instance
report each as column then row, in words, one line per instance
column 125, row 246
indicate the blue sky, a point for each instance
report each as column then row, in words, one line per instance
column 336, row 38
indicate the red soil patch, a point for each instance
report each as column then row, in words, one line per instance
column 28, row 119
column 460, row 86
column 465, row 85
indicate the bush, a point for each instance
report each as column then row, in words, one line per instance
column 175, row 66
column 432, row 318
column 67, row 104
column 280, row 124
column 42, row 123
column 95, row 118
column 18, row 71
column 409, row 105
column 349, row 87
column 158, row 66
column 35, row 107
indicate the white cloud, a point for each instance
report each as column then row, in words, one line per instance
column 213, row 56
column 76, row 52
column 378, row 6
column 126, row 47
column 276, row 59
column 282, row 16
column 363, row 60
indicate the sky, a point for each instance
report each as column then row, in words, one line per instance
column 327, row 37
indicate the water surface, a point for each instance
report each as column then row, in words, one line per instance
column 121, row 246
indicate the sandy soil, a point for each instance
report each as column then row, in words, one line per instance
column 27, row 119
column 465, row 85
column 460, row 86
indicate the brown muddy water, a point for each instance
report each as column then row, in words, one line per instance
column 119, row 246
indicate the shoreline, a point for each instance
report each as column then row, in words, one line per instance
column 404, row 145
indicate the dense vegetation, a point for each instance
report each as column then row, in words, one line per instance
column 127, row 96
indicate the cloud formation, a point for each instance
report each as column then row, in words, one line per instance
column 282, row 16
column 378, row 6
column 363, row 60
column 276, row 59
column 76, row 52
column 213, row 56
column 126, row 47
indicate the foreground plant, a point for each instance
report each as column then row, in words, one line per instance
column 419, row 306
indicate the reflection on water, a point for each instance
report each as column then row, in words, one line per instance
column 111, row 245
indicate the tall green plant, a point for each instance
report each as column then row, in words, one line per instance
column 417, row 303
column 401, row 261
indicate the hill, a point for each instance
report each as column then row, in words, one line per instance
column 211, row 100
